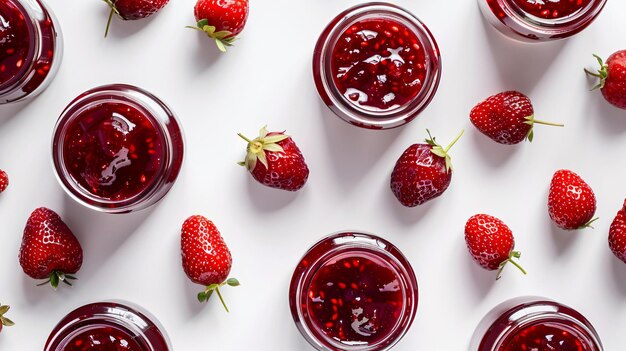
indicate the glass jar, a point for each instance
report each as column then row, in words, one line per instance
column 117, row 148
column 531, row 21
column 534, row 323
column 353, row 292
column 109, row 325
column 32, row 47
column 376, row 66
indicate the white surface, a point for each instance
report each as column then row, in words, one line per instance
column 266, row 78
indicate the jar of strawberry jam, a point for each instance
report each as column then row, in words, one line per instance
column 353, row 292
column 31, row 48
column 533, row 323
column 376, row 66
column 108, row 326
column 532, row 20
column 117, row 148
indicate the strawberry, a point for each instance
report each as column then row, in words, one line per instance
column 617, row 234
column 507, row 118
column 4, row 181
column 130, row 10
column 422, row 173
column 221, row 20
column 206, row 258
column 49, row 249
column 275, row 160
column 571, row 202
column 4, row 321
column 491, row 243
column 612, row 75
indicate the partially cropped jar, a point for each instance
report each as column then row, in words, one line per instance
column 376, row 66
column 353, row 292
column 117, row 148
column 534, row 323
column 32, row 47
column 110, row 326
column 532, row 21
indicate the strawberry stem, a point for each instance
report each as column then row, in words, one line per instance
column 217, row 290
column 536, row 121
column 244, row 138
column 454, row 141
column 589, row 224
column 512, row 255
column 106, row 32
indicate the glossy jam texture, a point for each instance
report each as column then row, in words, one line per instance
column 379, row 64
column 552, row 9
column 14, row 42
column 545, row 336
column 355, row 299
column 113, row 150
column 103, row 339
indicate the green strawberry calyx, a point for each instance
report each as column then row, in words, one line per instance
column 588, row 224
column 205, row 295
column 223, row 38
column 531, row 121
column 4, row 320
column 113, row 11
column 440, row 151
column 56, row 277
column 257, row 148
column 602, row 74
column 512, row 256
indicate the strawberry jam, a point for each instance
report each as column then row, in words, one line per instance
column 15, row 43
column 544, row 337
column 103, row 339
column 552, row 9
column 379, row 64
column 113, row 150
column 353, row 290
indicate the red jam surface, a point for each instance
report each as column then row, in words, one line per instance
column 355, row 299
column 103, row 339
column 113, row 150
column 14, row 42
column 544, row 337
column 552, row 9
column 379, row 64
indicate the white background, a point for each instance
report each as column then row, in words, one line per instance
column 266, row 78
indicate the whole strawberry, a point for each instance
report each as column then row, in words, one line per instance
column 507, row 118
column 422, row 173
column 206, row 258
column 571, row 202
column 491, row 243
column 275, row 160
column 133, row 9
column 49, row 249
column 221, row 20
column 612, row 75
column 4, row 181
column 4, row 321
column 617, row 234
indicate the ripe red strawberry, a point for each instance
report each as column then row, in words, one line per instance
column 206, row 258
column 4, row 321
column 4, row 181
column 422, row 173
column 571, row 202
column 275, row 160
column 491, row 243
column 612, row 76
column 49, row 249
column 221, row 20
column 617, row 234
column 507, row 118
column 133, row 9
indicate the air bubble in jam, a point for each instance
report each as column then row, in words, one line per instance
column 113, row 150
column 14, row 42
column 552, row 9
column 379, row 64
column 545, row 336
column 103, row 339
column 355, row 299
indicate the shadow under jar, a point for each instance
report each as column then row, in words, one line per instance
column 353, row 292
column 117, row 148
column 31, row 48
column 376, row 66
column 534, row 323
column 108, row 326
column 532, row 20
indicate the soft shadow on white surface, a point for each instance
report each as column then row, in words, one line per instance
column 522, row 63
column 407, row 216
column 497, row 155
column 618, row 268
column 266, row 199
column 563, row 240
column 206, row 52
column 481, row 280
column 611, row 119
column 10, row 111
